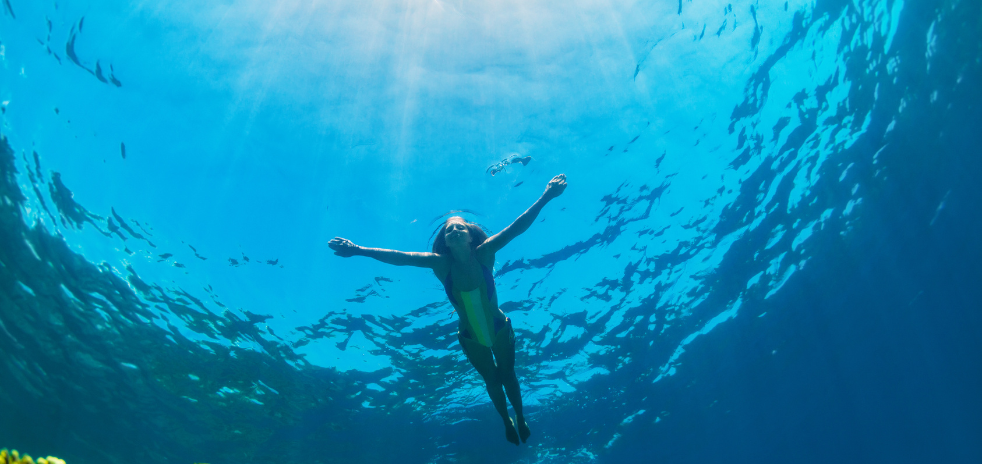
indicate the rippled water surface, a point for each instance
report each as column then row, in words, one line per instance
column 768, row 249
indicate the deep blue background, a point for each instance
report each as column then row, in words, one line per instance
column 881, row 359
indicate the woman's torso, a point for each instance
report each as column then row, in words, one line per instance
column 470, row 288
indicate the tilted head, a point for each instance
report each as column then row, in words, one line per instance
column 457, row 232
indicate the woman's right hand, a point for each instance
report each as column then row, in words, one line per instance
column 343, row 247
column 556, row 187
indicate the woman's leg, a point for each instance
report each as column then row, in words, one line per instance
column 481, row 357
column 504, row 354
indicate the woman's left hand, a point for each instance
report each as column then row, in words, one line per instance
column 555, row 187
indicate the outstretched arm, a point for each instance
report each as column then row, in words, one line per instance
column 499, row 240
column 344, row 248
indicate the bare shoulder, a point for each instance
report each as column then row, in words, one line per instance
column 485, row 256
column 441, row 268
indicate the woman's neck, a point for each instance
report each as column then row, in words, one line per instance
column 461, row 255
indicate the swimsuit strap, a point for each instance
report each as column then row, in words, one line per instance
column 488, row 281
column 448, row 285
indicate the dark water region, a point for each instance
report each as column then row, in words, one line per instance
column 869, row 353
column 880, row 361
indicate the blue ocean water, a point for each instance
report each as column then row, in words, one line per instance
column 767, row 252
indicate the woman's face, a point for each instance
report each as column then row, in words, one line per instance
column 457, row 233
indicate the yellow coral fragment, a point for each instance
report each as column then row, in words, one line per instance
column 13, row 457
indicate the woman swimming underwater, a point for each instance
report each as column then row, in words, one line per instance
column 462, row 258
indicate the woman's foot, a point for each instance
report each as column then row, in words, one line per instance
column 510, row 433
column 523, row 428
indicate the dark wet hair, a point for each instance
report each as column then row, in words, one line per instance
column 477, row 232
